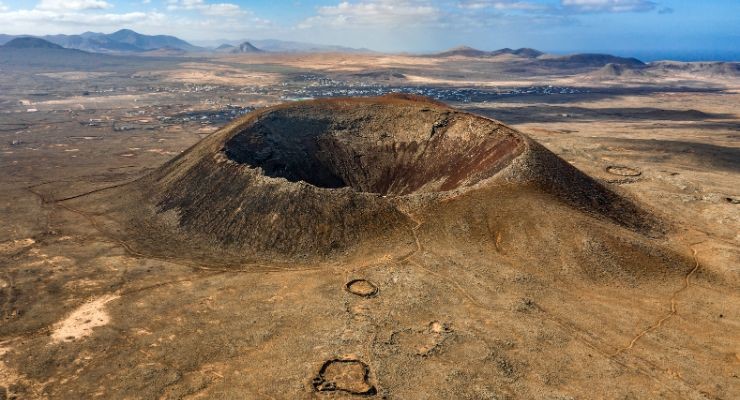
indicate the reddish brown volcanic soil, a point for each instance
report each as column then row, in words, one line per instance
column 388, row 146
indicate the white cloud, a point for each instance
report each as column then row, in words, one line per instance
column 502, row 5
column 388, row 20
column 565, row 6
column 375, row 12
column 60, row 5
column 611, row 6
column 217, row 9
column 3, row 7
column 38, row 18
column 38, row 22
column 223, row 9
column 213, row 21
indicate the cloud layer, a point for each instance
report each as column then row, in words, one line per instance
column 189, row 18
column 60, row 5
column 384, row 24
column 217, row 9
column 611, row 6
column 374, row 13
column 410, row 13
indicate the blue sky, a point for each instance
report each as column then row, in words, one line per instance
column 640, row 27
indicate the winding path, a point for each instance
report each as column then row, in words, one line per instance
column 673, row 311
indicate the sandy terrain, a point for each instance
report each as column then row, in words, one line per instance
column 497, row 293
column 193, row 72
column 83, row 320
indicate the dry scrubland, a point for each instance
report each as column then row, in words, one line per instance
column 509, row 274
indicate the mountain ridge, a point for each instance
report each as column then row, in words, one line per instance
column 285, row 46
column 121, row 41
column 31, row 43
column 467, row 51
column 130, row 41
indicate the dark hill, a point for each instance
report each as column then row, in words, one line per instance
column 40, row 55
column 464, row 51
column 329, row 177
column 523, row 52
column 246, row 47
column 147, row 42
column 31, row 43
column 714, row 69
column 528, row 52
column 93, row 42
column 122, row 41
column 614, row 71
column 226, row 48
column 587, row 60
column 53, row 58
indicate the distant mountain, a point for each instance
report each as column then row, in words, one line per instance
column 614, row 70
column 466, row 51
column 31, row 43
column 246, row 47
column 717, row 68
column 225, row 48
column 123, row 41
column 35, row 53
column 523, row 52
column 617, row 71
column 147, row 42
column 589, row 60
column 612, row 65
column 6, row 38
column 283, row 46
column 92, row 42
column 32, row 53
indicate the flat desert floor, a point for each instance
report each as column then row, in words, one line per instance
column 86, row 316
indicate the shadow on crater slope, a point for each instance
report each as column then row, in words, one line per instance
column 376, row 148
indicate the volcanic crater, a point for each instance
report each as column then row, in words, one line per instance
column 307, row 180
column 380, row 148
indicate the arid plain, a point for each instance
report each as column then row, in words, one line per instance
column 496, row 291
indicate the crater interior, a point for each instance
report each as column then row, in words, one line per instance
column 391, row 149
